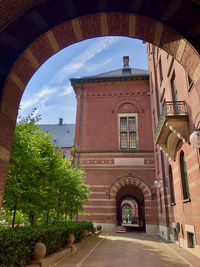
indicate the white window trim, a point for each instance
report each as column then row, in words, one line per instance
column 136, row 123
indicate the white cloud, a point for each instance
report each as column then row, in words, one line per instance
column 40, row 98
column 66, row 90
column 93, row 67
column 79, row 61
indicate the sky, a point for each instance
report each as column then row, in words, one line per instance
column 49, row 90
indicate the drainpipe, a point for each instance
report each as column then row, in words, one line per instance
column 164, row 189
column 80, row 127
column 156, row 83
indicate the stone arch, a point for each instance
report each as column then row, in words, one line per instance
column 128, row 202
column 21, row 58
column 134, row 107
column 131, row 180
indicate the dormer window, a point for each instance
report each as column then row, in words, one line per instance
column 126, row 71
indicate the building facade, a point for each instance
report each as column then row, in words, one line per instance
column 114, row 145
column 175, row 115
column 62, row 136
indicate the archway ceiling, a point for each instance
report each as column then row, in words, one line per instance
column 22, row 21
column 131, row 191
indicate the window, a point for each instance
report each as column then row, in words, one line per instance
column 128, row 131
column 162, row 96
column 174, row 89
column 161, row 207
column 160, row 70
column 190, row 82
column 171, row 184
column 126, row 71
column 191, row 240
column 184, row 178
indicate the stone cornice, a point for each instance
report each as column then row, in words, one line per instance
column 75, row 81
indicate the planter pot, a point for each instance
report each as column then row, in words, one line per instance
column 85, row 233
column 70, row 239
column 39, row 251
column 99, row 227
column 93, row 230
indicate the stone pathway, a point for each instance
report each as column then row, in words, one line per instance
column 130, row 249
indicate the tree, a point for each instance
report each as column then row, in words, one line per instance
column 39, row 180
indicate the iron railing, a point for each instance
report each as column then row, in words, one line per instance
column 171, row 108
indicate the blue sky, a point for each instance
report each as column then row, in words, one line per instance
column 49, row 89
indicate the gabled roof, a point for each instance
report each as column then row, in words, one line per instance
column 63, row 135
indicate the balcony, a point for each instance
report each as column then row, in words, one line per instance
column 172, row 127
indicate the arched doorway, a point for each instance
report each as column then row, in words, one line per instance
column 34, row 31
column 129, row 211
column 134, row 188
column 131, row 192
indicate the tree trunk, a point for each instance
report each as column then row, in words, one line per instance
column 33, row 219
column 14, row 214
column 47, row 218
column 66, row 214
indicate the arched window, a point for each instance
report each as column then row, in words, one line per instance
column 171, row 184
column 184, row 178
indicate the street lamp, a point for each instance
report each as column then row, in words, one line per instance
column 157, row 182
column 195, row 138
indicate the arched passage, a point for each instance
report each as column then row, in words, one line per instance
column 43, row 34
column 137, row 189
column 130, row 191
column 133, row 209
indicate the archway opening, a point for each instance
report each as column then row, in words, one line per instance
column 40, row 43
column 130, row 207
column 129, row 210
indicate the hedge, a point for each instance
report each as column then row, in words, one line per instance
column 16, row 244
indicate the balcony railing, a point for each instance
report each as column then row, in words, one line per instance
column 170, row 108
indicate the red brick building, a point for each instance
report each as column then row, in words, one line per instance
column 175, row 115
column 114, row 143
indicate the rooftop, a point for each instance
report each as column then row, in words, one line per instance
column 63, row 134
column 125, row 73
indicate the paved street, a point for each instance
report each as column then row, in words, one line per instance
column 130, row 249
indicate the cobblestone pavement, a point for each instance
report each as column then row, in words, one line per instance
column 130, row 249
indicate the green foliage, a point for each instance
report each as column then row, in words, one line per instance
column 40, row 182
column 6, row 216
column 16, row 244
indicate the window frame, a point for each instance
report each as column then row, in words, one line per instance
column 160, row 70
column 128, row 115
column 184, row 177
column 171, row 185
column 189, row 82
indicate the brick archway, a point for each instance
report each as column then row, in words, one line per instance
column 133, row 204
column 72, row 31
column 148, row 204
column 131, row 180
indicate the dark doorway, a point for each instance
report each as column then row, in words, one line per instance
column 131, row 220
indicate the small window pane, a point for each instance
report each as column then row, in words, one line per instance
column 187, row 194
column 184, row 178
column 131, row 124
column 123, row 140
column 132, row 140
column 123, row 124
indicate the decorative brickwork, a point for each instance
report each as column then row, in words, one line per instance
column 33, row 31
column 130, row 181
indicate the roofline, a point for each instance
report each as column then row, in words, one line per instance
column 107, row 79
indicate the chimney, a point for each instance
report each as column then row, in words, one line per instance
column 60, row 121
column 126, row 61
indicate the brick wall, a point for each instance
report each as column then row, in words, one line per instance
column 184, row 212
